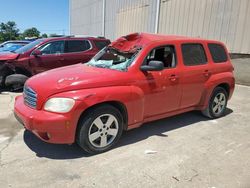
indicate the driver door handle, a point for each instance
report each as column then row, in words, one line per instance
column 173, row 78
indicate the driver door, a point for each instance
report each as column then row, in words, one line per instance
column 50, row 58
column 162, row 88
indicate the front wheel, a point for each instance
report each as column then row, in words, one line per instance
column 217, row 103
column 100, row 129
column 15, row 81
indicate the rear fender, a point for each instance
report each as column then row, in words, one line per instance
column 213, row 82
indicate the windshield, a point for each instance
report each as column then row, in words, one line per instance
column 11, row 47
column 111, row 58
column 29, row 46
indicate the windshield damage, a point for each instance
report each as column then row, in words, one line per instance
column 120, row 54
column 113, row 58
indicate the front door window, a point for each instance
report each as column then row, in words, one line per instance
column 56, row 47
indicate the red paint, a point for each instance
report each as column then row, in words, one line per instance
column 4, row 56
column 147, row 96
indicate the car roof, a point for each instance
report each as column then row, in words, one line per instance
column 150, row 37
column 16, row 41
column 74, row 38
column 133, row 41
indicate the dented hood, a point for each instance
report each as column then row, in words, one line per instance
column 8, row 56
column 73, row 77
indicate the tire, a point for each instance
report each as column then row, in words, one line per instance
column 217, row 104
column 15, row 81
column 101, row 123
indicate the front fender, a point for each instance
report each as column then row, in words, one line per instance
column 130, row 96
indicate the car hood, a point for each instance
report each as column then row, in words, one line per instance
column 74, row 77
column 8, row 55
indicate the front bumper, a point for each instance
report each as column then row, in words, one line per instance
column 49, row 127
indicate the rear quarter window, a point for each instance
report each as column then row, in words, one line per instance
column 218, row 53
column 193, row 54
column 101, row 44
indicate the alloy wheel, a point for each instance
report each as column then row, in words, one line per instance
column 219, row 103
column 103, row 130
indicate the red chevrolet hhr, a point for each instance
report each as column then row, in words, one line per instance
column 136, row 79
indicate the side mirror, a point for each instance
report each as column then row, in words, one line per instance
column 153, row 66
column 36, row 53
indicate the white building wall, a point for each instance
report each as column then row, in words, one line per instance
column 224, row 20
column 86, row 17
column 126, row 16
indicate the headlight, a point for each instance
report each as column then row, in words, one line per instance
column 60, row 105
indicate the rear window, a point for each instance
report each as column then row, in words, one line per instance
column 77, row 46
column 218, row 53
column 101, row 44
column 193, row 54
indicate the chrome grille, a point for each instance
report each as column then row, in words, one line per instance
column 30, row 97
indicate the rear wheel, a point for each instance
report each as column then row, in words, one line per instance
column 217, row 103
column 100, row 129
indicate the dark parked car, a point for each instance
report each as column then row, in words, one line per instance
column 9, row 46
column 45, row 54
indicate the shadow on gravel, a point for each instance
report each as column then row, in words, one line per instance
column 52, row 151
column 62, row 151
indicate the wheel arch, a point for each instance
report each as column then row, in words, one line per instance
column 225, row 86
column 209, row 91
column 8, row 69
column 22, row 70
column 116, row 104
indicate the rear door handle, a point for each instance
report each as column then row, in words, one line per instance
column 206, row 73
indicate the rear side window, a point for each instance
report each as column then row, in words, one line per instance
column 101, row 44
column 193, row 54
column 77, row 46
column 218, row 52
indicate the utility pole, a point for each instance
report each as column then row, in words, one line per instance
column 157, row 17
column 103, row 17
